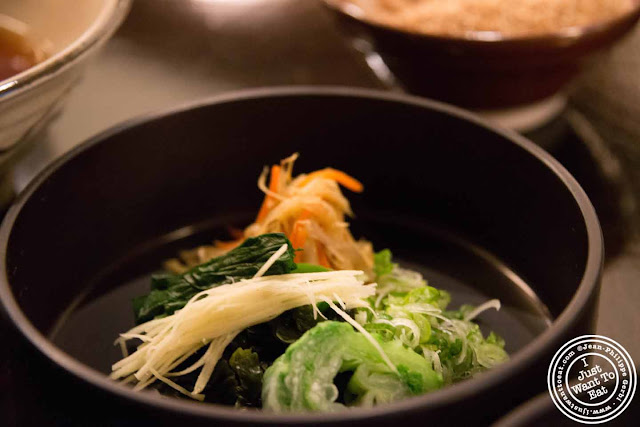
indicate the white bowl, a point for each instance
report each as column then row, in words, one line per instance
column 73, row 30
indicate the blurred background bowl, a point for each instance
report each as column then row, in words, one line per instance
column 69, row 31
column 484, row 70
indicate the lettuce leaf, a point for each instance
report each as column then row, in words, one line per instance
column 416, row 314
column 303, row 378
column 382, row 264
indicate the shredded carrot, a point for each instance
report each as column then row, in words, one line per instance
column 236, row 233
column 336, row 175
column 322, row 256
column 299, row 234
column 269, row 202
column 302, row 238
column 227, row 245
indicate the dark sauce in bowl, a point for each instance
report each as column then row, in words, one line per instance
column 18, row 51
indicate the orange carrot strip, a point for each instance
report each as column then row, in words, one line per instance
column 227, row 245
column 269, row 201
column 298, row 227
column 340, row 177
column 322, row 256
column 236, row 233
column 300, row 241
column 299, row 234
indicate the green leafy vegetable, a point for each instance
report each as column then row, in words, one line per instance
column 170, row 292
column 391, row 277
column 303, row 378
column 291, row 325
column 416, row 314
column 303, row 267
column 382, row 263
column 222, row 387
column 249, row 371
column 327, row 364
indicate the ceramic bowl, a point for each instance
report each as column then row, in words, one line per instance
column 516, row 80
column 69, row 31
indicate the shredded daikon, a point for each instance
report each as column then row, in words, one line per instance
column 272, row 259
column 434, row 358
column 364, row 332
column 361, row 317
column 493, row 303
column 216, row 315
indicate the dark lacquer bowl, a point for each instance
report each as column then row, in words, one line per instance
column 485, row 213
column 483, row 72
column 540, row 411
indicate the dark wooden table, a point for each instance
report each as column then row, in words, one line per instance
column 173, row 51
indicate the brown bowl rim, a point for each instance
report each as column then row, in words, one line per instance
column 563, row 35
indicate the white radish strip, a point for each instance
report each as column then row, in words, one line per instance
column 218, row 345
column 364, row 332
column 132, row 336
column 342, row 304
column 123, row 348
column 463, row 352
column 262, row 185
column 272, row 259
column 415, row 330
column 182, row 359
column 382, row 293
column 175, row 386
column 360, row 317
column 312, row 298
column 435, row 359
column 219, row 313
column 128, row 379
column 196, row 365
column 494, row 303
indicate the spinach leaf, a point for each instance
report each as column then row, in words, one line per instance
column 292, row 324
column 303, row 267
column 221, row 388
column 248, row 369
column 170, row 292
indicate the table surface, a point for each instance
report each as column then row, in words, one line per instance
column 170, row 52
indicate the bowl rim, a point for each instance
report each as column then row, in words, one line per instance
column 539, row 404
column 563, row 36
column 104, row 25
column 519, row 361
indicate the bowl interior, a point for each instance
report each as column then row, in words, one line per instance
column 480, row 214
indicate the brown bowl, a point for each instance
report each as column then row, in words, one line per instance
column 480, row 72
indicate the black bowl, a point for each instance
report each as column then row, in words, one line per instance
column 484, row 211
column 540, row 411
